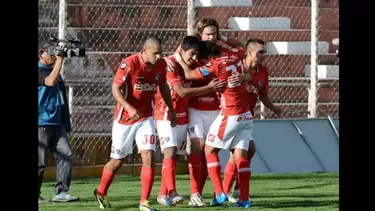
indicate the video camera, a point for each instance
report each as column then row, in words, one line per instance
column 71, row 47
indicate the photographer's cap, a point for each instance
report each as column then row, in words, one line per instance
column 43, row 47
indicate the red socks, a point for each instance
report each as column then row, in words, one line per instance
column 230, row 174
column 106, row 181
column 243, row 168
column 147, row 180
column 214, row 170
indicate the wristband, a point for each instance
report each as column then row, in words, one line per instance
column 178, row 57
column 223, row 38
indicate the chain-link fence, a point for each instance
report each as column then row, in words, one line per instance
column 113, row 29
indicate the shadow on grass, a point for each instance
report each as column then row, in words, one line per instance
column 294, row 204
column 297, row 195
column 309, row 186
column 288, row 176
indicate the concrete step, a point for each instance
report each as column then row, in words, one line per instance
column 128, row 2
column 296, row 48
column 293, row 65
column 300, row 17
column 324, row 71
column 296, row 3
column 162, row 16
column 299, row 111
column 300, row 94
column 116, row 40
column 278, row 65
column 130, row 16
column 267, row 23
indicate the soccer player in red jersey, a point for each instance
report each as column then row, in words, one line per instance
column 173, row 139
column 134, row 86
column 256, row 88
column 203, row 110
column 233, row 126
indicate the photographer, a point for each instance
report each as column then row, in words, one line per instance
column 53, row 123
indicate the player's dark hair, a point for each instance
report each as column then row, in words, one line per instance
column 206, row 49
column 254, row 40
column 190, row 42
column 205, row 22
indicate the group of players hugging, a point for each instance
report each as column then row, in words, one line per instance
column 196, row 102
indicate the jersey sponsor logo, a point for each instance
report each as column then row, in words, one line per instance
column 252, row 89
column 206, row 99
column 244, row 118
column 181, row 114
column 145, row 87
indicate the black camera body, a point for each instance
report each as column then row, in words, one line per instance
column 71, row 47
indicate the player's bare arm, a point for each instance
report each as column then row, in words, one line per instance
column 166, row 95
column 189, row 73
column 119, row 97
column 269, row 104
column 53, row 77
column 230, row 41
column 236, row 78
column 214, row 85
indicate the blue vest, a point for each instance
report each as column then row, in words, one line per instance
column 52, row 104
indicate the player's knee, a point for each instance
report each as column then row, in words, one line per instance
column 170, row 152
column 114, row 165
column 239, row 153
column 148, row 158
column 231, row 158
column 210, row 150
column 197, row 146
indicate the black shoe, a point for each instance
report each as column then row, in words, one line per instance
column 42, row 200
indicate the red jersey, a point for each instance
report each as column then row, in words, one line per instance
column 175, row 77
column 257, row 86
column 139, row 84
column 233, row 98
column 209, row 101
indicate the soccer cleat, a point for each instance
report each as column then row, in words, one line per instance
column 244, row 204
column 163, row 200
column 103, row 201
column 219, row 200
column 176, row 199
column 144, row 206
column 233, row 197
column 196, row 200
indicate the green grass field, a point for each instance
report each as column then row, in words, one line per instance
column 287, row 192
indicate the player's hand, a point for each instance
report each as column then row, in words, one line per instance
column 234, row 79
column 173, row 116
column 217, row 85
column 133, row 113
column 170, row 64
column 277, row 110
column 246, row 77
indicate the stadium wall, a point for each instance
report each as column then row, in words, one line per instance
column 282, row 146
